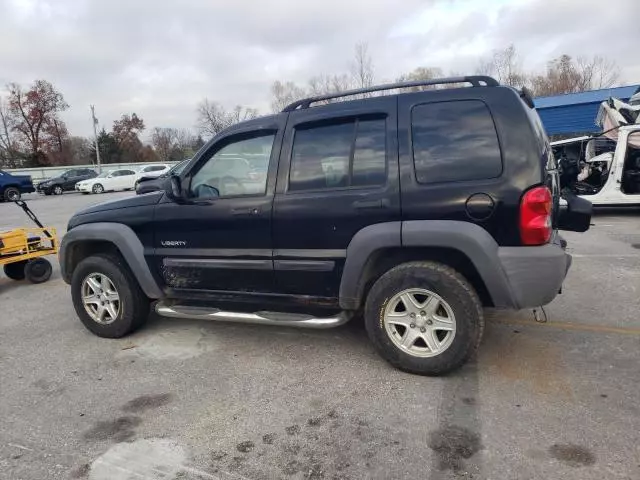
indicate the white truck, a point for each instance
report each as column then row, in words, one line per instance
column 604, row 168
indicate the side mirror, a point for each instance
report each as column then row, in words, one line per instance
column 575, row 213
column 174, row 188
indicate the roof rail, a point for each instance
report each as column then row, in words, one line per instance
column 474, row 80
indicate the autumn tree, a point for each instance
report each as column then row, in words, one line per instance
column 566, row 75
column 212, row 117
column 35, row 117
column 126, row 133
column 163, row 141
column 10, row 156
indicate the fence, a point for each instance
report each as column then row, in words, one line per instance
column 39, row 174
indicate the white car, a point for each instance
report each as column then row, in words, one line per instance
column 109, row 181
column 152, row 171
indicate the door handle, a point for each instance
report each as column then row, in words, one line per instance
column 245, row 211
column 371, row 204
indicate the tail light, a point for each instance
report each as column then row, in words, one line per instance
column 535, row 216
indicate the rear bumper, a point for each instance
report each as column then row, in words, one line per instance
column 534, row 274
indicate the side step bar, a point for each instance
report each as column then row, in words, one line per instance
column 262, row 318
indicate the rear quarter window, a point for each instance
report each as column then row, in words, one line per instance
column 454, row 141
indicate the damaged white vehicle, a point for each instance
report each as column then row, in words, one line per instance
column 604, row 168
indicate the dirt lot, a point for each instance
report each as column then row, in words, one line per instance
column 195, row 400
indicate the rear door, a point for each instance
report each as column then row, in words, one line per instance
column 72, row 177
column 338, row 174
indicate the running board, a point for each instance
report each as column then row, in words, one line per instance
column 262, row 318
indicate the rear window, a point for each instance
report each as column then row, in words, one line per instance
column 454, row 141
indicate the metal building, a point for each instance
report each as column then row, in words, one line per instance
column 575, row 113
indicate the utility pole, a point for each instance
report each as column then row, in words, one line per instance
column 95, row 135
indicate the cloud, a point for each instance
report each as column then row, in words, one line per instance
column 160, row 58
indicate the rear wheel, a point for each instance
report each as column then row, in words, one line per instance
column 38, row 270
column 424, row 318
column 107, row 297
column 57, row 190
column 11, row 194
column 15, row 271
column 98, row 188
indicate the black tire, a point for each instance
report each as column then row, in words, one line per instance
column 47, row 193
column 134, row 305
column 38, row 270
column 453, row 288
column 57, row 190
column 15, row 270
column 11, row 194
column 98, row 188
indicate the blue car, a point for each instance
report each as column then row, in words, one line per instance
column 13, row 186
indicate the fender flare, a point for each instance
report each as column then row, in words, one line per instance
column 124, row 239
column 471, row 240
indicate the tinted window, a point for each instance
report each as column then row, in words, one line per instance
column 454, row 141
column 369, row 156
column 326, row 157
column 228, row 172
column 124, row 173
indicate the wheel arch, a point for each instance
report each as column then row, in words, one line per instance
column 464, row 246
column 90, row 239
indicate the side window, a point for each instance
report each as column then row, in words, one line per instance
column 125, row 173
column 349, row 154
column 230, row 170
column 454, row 141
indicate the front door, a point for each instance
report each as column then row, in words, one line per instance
column 337, row 175
column 220, row 239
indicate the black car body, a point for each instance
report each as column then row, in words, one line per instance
column 13, row 186
column 422, row 206
column 65, row 182
column 153, row 184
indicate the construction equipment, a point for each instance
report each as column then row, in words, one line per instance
column 22, row 250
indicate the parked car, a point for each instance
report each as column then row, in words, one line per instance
column 13, row 186
column 417, row 209
column 66, row 181
column 151, row 171
column 109, row 181
column 146, row 185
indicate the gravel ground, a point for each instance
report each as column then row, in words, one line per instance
column 199, row 400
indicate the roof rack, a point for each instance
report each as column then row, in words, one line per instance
column 474, row 80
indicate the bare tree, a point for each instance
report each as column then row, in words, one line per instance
column 505, row 66
column 421, row 74
column 362, row 71
column 163, row 141
column 282, row 94
column 598, row 72
column 9, row 154
column 213, row 118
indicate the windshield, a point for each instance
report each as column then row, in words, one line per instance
column 179, row 167
column 104, row 174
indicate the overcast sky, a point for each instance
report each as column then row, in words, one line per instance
column 159, row 58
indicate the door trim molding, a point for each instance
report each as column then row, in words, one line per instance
column 251, row 252
column 217, row 263
column 304, row 265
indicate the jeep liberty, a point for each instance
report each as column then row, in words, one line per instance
column 414, row 209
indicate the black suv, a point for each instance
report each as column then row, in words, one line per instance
column 65, row 182
column 417, row 209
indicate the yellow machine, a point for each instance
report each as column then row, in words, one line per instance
column 22, row 250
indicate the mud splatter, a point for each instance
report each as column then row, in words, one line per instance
column 268, row 438
column 246, row 446
column 146, row 402
column 81, row 471
column 119, row 430
column 572, row 455
column 453, row 444
column 293, row 430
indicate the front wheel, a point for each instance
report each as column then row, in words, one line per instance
column 107, row 297
column 424, row 318
column 11, row 194
column 57, row 190
column 98, row 188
